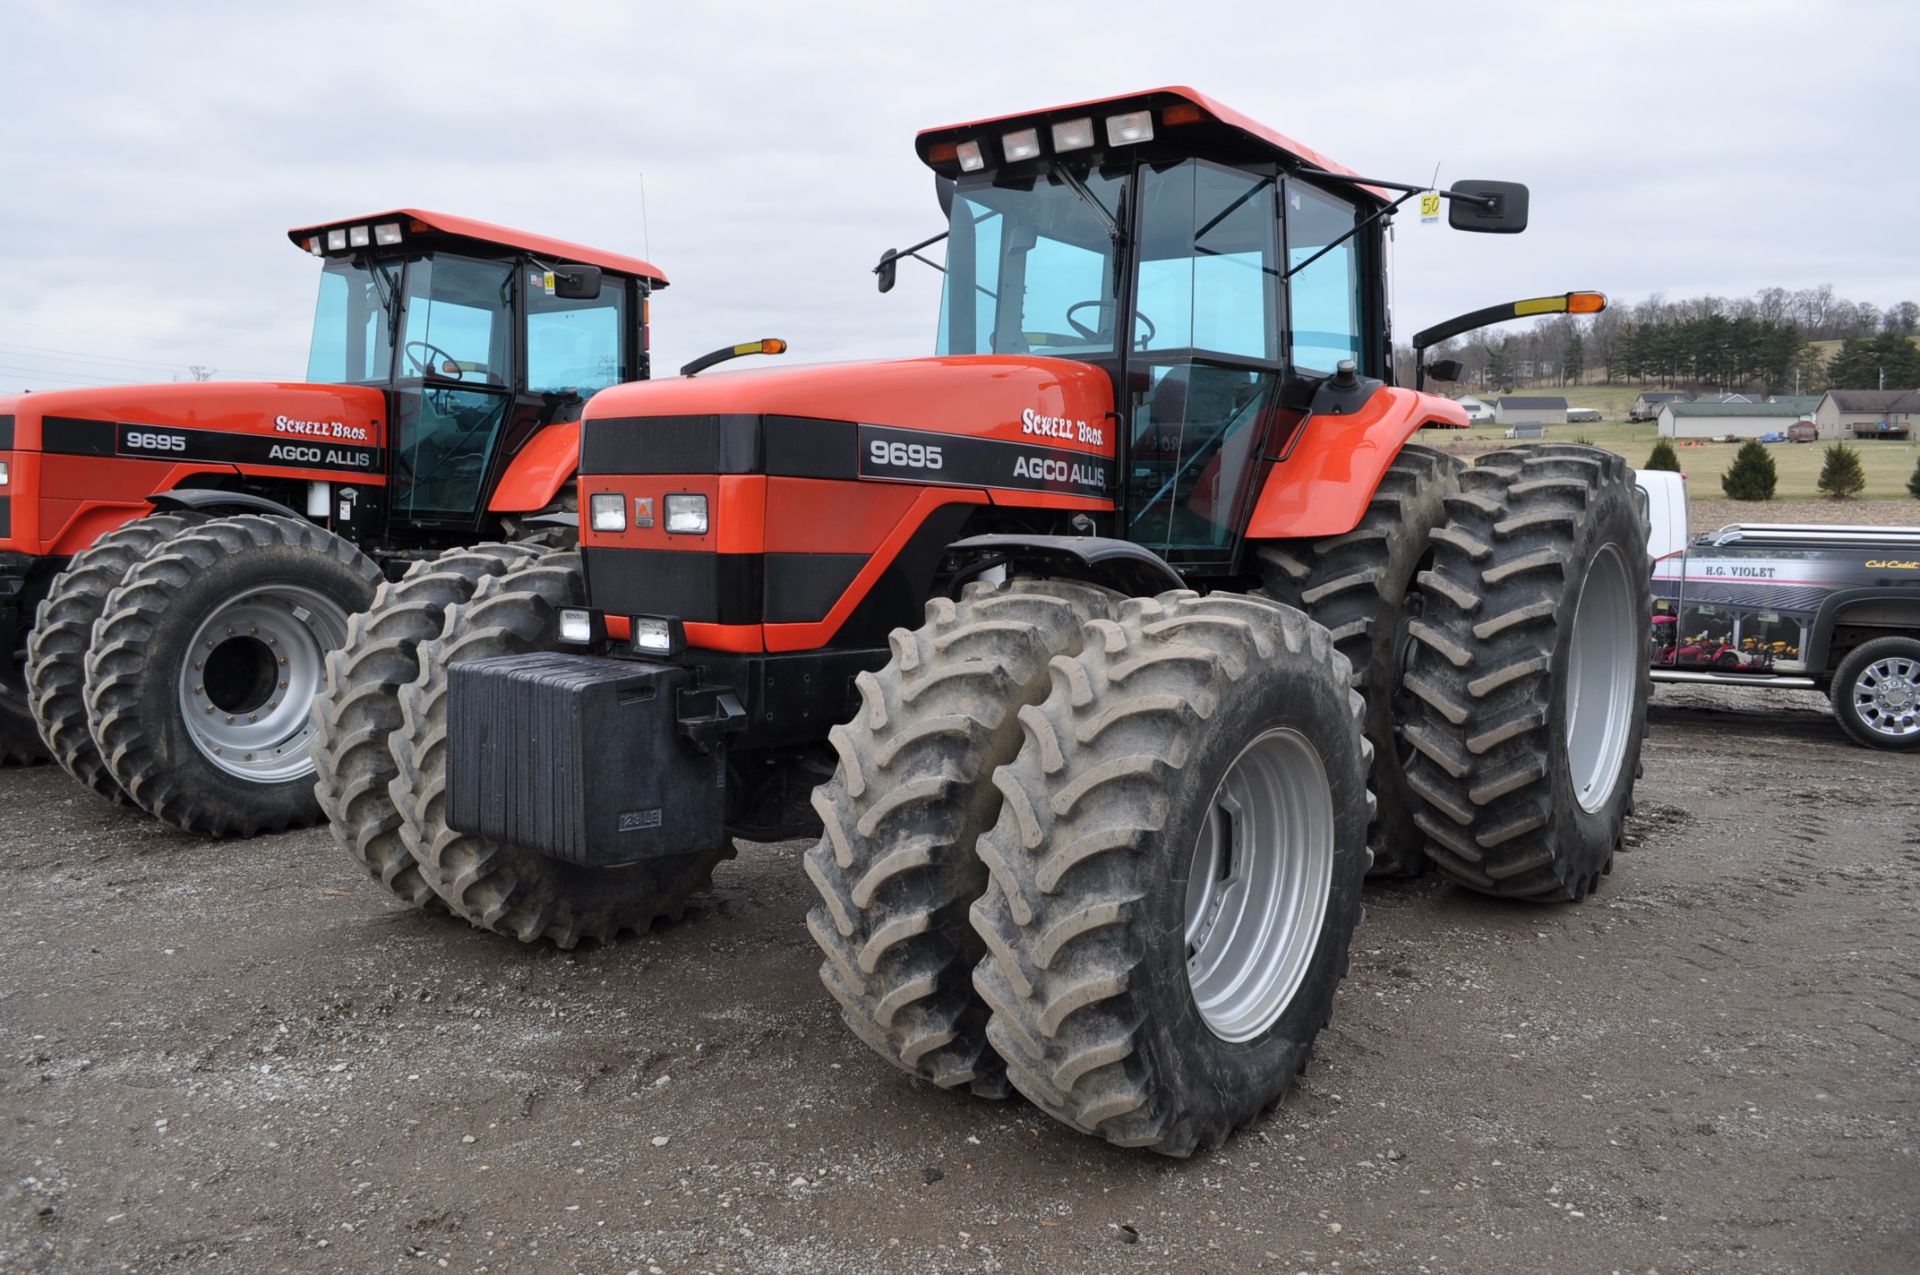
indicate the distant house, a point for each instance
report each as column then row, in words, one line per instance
column 1804, row 403
column 1648, row 405
column 1478, row 412
column 1868, row 413
column 1521, row 409
column 1716, row 420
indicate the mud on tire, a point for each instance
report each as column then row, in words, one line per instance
column 1363, row 586
column 56, row 668
column 1121, row 772
column 249, row 606
column 498, row 887
column 359, row 707
column 895, row 866
column 1529, row 673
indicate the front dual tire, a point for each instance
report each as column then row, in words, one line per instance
column 1164, row 858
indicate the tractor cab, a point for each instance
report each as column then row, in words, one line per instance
column 1223, row 276
column 478, row 335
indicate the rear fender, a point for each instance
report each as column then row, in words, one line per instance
column 1329, row 475
column 537, row 473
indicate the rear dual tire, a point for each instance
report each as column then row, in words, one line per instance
column 204, row 664
column 1528, row 673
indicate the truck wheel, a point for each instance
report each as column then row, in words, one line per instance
column 1529, row 673
column 1365, row 587
column 204, row 665
column 62, row 634
column 1176, row 870
column 359, row 707
column 1876, row 693
column 895, row 866
column 508, row 889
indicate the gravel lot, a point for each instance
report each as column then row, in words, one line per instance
column 239, row 1057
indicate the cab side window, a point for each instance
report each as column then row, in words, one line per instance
column 1325, row 297
column 574, row 345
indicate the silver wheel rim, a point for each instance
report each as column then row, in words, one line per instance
column 254, row 667
column 1886, row 697
column 1258, row 886
column 1602, row 665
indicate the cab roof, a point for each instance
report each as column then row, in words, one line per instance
column 421, row 222
column 1217, row 127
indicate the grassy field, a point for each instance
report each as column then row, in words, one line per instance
column 1888, row 465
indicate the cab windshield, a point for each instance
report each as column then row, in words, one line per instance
column 1032, row 267
column 352, row 341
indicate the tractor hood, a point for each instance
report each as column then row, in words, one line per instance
column 955, row 420
column 119, row 419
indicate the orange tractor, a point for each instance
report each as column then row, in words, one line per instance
column 177, row 560
column 1104, row 652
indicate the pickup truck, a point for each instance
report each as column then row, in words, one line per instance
column 1830, row 608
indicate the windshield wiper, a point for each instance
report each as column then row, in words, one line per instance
column 1107, row 223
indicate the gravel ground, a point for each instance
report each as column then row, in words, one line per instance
column 239, row 1057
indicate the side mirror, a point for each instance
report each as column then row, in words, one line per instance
column 576, row 283
column 1446, row 369
column 1506, row 215
column 889, row 260
column 943, row 191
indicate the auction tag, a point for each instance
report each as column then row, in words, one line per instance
column 1429, row 208
column 546, row 280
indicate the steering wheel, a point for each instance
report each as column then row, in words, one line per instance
column 1092, row 335
column 427, row 368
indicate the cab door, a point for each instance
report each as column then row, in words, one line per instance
column 454, row 387
column 1204, row 359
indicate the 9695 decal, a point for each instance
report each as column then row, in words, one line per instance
column 907, row 455
column 898, row 455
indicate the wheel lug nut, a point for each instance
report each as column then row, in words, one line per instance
column 229, row 630
column 253, row 717
column 229, row 719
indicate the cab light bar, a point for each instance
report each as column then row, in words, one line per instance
column 1073, row 135
column 1020, row 144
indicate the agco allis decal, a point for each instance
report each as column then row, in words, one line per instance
column 911, row 455
column 156, row 442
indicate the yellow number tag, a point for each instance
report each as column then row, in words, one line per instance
column 1429, row 208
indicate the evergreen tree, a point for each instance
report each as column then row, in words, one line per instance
column 1913, row 483
column 1841, row 477
column 1752, row 475
column 1861, row 362
column 1663, row 457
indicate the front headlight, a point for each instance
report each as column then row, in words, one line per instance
column 576, row 626
column 609, row 511
column 687, row 513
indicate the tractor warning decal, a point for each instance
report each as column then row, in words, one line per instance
column 919, row 456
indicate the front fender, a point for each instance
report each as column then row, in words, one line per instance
column 535, row 476
column 1324, row 484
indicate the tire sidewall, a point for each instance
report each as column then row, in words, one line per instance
column 1219, row 1075
column 1848, row 675
column 1613, row 520
column 156, row 701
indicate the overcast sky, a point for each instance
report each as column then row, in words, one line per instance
column 153, row 155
